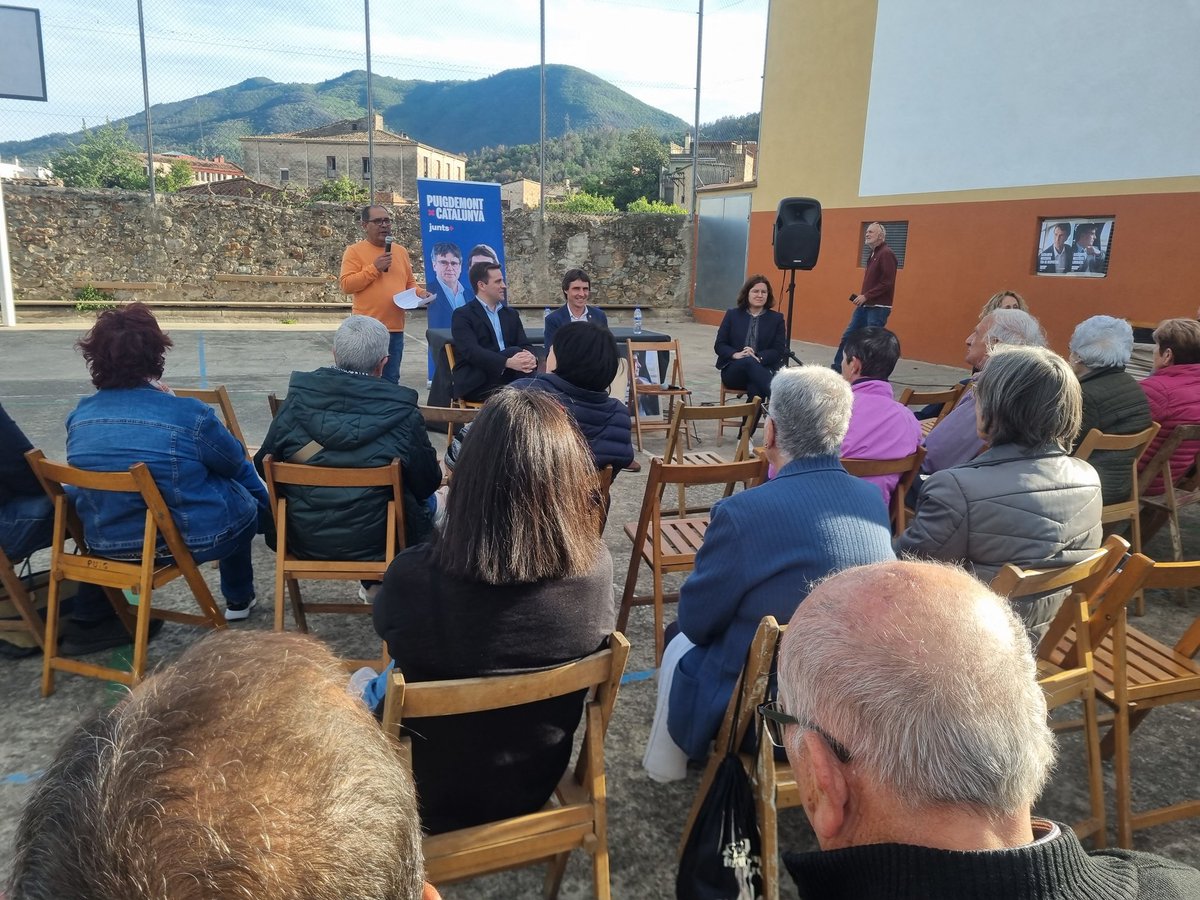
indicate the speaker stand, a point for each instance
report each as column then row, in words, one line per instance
column 787, row 325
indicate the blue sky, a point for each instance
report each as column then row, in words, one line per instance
column 646, row 47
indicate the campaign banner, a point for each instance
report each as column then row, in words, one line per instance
column 460, row 224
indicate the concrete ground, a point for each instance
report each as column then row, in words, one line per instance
column 42, row 378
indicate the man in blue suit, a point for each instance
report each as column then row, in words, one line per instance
column 576, row 288
column 763, row 550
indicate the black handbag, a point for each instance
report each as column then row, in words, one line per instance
column 722, row 859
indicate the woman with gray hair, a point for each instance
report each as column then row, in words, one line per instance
column 1112, row 400
column 1025, row 500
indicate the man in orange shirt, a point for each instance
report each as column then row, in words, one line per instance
column 374, row 270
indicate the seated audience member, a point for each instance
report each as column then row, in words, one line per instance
column 1112, row 401
column 752, row 342
column 955, row 439
column 1024, row 501
column 243, row 770
column 517, row 580
column 918, row 766
column 212, row 490
column 576, row 288
column 580, row 366
column 26, row 526
column 346, row 416
column 490, row 346
column 880, row 428
column 759, row 557
column 1004, row 300
column 1173, row 391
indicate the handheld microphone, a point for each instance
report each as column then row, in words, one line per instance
column 387, row 244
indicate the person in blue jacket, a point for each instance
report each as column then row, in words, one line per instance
column 763, row 550
column 577, row 290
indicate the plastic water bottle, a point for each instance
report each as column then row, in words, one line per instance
column 637, row 320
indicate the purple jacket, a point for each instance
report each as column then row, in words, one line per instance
column 880, row 428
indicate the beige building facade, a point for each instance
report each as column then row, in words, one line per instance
column 306, row 159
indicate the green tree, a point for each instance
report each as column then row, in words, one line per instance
column 341, row 190
column 583, row 202
column 642, row 205
column 105, row 158
column 179, row 176
column 636, row 170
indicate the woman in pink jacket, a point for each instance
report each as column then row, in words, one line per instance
column 1173, row 390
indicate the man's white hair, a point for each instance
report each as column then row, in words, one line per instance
column 927, row 679
column 810, row 407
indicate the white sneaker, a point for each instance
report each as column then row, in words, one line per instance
column 367, row 595
column 239, row 613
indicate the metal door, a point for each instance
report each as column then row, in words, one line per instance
column 722, row 249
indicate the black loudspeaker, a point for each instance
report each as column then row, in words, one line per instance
column 797, row 236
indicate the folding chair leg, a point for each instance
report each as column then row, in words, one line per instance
column 50, row 651
column 1098, row 827
column 770, row 842
column 141, row 636
column 658, row 618
column 280, row 598
column 600, row 873
column 554, row 875
column 20, row 598
column 293, row 587
column 635, row 562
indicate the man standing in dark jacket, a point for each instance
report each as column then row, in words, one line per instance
column 873, row 304
column 347, row 416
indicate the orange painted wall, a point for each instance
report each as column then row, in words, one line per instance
column 959, row 254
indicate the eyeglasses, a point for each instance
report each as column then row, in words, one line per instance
column 384, row 221
column 775, row 719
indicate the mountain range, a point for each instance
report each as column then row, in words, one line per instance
column 462, row 116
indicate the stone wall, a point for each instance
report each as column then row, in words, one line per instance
column 232, row 249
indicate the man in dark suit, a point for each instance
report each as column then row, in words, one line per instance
column 490, row 346
column 576, row 288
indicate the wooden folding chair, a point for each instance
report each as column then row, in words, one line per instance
column 290, row 569
column 1071, row 679
column 726, row 393
column 218, row 397
column 1133, row 446
column 450, row 416
column 906, row 467
column 672, row 389
column 948, row 398
column 575, row 818
column 457, row 402
column 274, row 403
column 1180, row 489
column 684, row 421
column 772, row 780
column 28, row 621
column 670, row 545
column 155, row 567
column 604, row 477
column 1136, row 673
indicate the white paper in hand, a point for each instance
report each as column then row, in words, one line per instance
column 407, row 299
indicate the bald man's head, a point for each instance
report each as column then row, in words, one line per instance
column 926, row 677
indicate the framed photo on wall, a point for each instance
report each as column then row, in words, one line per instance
column 1075, row 247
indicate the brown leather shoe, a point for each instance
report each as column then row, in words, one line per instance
column 634, row 466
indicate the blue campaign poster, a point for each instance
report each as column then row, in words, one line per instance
column 460, row 223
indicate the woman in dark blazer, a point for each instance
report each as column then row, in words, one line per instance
column 752, row 342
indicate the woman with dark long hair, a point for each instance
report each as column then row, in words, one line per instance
column 752, row 342
column 518, row 580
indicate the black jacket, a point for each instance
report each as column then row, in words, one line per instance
column 772, row 337
column 361, row 421
column 16, row 478
column 479, row 359
column 1116, row 404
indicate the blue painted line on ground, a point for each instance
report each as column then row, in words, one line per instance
column 631, row 677
column 203, row 364
column 21, row 778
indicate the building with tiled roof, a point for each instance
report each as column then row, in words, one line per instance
column 204, row 171
column 234, row 187
column 305, row 159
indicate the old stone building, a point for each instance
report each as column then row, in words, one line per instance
column 305, row 159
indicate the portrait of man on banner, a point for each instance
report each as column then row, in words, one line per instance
column 1075, row 246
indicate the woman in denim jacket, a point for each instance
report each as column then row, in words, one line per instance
column 212, row 490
